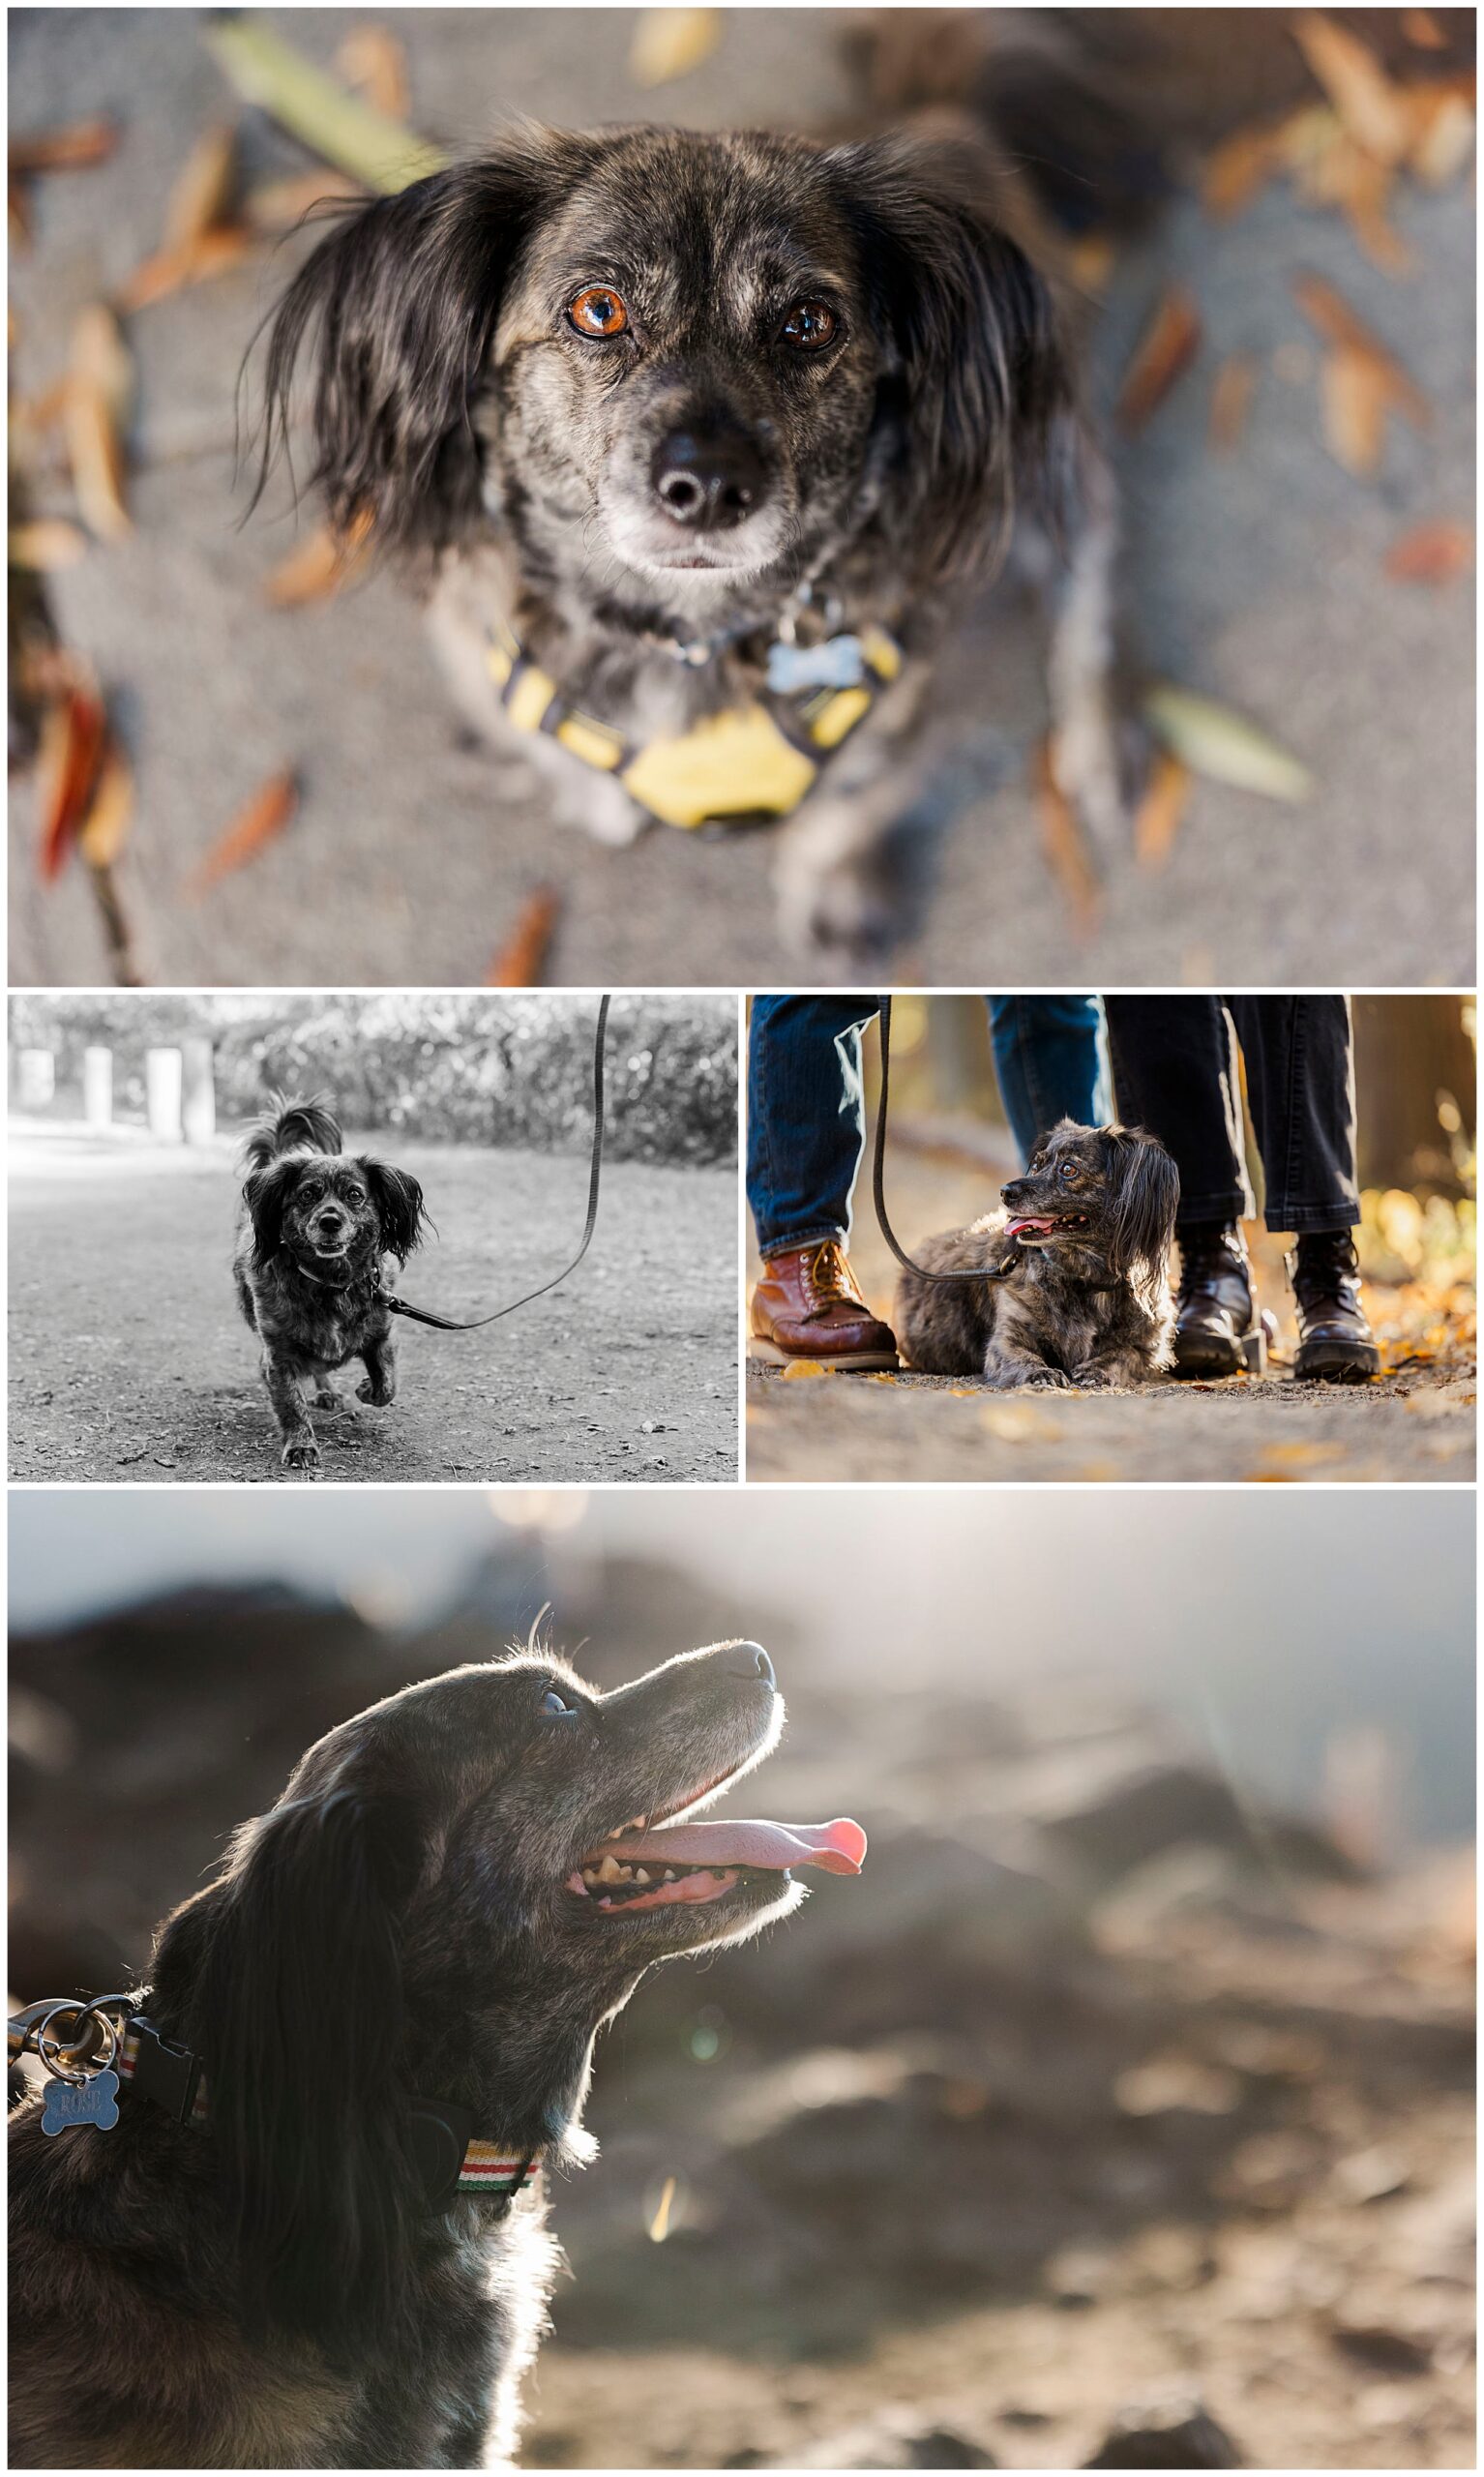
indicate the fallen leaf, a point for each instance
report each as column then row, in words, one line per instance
column 800, row 1367
column 319, row 565
column 1431, row 554
column 1165, row 350
column 1444, row 138
column 880, row 1376
column 317, row 110
column 1338, row 324
column 372, row 61
column 105, row 829
column 669, row 42
column 74, row 732
column 75, row 147
column 260, row 823
column 521, row 960
column 1216, row 742
column 1231, row 393
column 277, row 207
column 1157, row 820
column 1360, row 186
column 1356, row 400
column 963, row 1392
column 1373, row 108
column 1065, row 847
column 1092, row 259
column 100, row 383
column 170, row 271
column 201, row 195
column 1237, row 170
column 1017, row 1423
column 1421, row 27
column 47, row 542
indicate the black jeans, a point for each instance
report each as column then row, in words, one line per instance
column 1176, row 1072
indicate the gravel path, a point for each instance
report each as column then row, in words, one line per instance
column 128, row 1360
column 1258, row 577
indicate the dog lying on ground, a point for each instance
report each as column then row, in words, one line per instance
column 318, row 1234
column 393, row 1992
column 1089, row 1230
column 704, row 441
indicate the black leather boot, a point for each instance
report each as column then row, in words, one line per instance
column 1334, row 1339
column 1217, row 1329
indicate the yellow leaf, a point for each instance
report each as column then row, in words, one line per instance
column 202, row 191
column 669, row 42
column 1215, row 742
column 1355, row 399
column 46, row 544
column 800, row 1367
column 105, row 827
column 1372, row 108
column 319, row 566
column 1159, row 811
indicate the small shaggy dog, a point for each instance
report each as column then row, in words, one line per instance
column 1088, row 1230
column 703, row 441
column 318, row 1234
column 309, row 2240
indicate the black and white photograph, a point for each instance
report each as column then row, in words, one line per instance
column 245, row 1234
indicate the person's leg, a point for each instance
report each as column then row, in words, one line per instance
column 806, row 1116
column 1051, row 1059
column 1301, row 1090
column 806, row 1137
column 1174, row 1070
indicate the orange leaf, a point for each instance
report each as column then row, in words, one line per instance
column 798, row 1367
column 1161, row 810
column 1372, row 108
column 202, row 189
column 319, row 565
column 1338, row 324
column 74, row 732
column 1163, row 354
column 1231, row 393
column 278, row 205
column 1066, row 849
column 47, row 542
column 1421, row 27
column 1431, row 554
column 1356, row 397
column 1443, row 123
column 105, row 827
column 73, row 148
column 1237, row 170
column 261, row 823
column 99, row 384
column 523, row 959
column 374, row 62
column 170, row 270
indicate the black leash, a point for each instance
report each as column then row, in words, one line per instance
column 471, row 1324
column 996, row 1272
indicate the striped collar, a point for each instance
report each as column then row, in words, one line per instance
column 450, row 2156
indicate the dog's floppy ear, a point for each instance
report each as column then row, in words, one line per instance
column 398, row 1202
column 295, row 2003
column 976, row 370
column 1144, row 1191
column 403, row 299
column 266, row 1194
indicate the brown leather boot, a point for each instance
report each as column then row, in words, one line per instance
column 807, row 1306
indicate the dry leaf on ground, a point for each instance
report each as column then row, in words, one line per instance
column 277, row 207
column 1165, row 350
column 372, row 61
column 76, row 147
column 100, row 382
column 202, row 191
column 523, row 959
column 1215, row 741
column 1231, row 393
column 1159, row 812
column 1373, row 108
column 47, row 542
column 798, row 1367
column 1339, row 325
column 319, row 565
column 1065, row 847
column 669, row 42
column 1444, row 138
column 1421, row 27
column 74, row 735
column 1237, row 170
column 193, row 262
column 1355, row 399
column 1432, row 554
column 260, row 823
column 105, row 829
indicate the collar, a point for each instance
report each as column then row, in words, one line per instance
column 451, row 2158
column 318, row 1279
column 752, row 763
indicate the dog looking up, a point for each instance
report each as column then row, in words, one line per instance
column 1088, row 1230
column 319, row 1237
column 393, row 1992
column 703, row 441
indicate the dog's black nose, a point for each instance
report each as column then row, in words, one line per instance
column 708, row 480
column 749, row 1660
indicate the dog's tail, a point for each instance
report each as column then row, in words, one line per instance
column 291, row 1126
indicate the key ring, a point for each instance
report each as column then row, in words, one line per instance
column 76, row 2073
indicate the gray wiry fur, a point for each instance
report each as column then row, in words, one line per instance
column 455, row 405
column 1090, row 1306
column 268, row 2288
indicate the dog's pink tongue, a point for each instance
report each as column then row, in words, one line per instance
column 838, row 1847
column 1025, row 1221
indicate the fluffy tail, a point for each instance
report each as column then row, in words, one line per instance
column 291, row 1126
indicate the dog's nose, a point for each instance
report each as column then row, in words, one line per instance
column 749, row 1660
column 708, row 481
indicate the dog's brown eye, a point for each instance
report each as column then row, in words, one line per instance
column 598, row 312
column 810, row 325
column 1069, row 1174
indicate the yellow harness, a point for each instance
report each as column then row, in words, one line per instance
column 756, row 761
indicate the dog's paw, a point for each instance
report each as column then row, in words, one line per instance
column 1092, row 1380
column 1033, row 1380
column 327, row 1399
column 301, row 1456
column 377, row 1396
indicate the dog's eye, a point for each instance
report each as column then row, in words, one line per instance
column 598, row 312
column 810, row 326
column 1069, row 1174
column 552, row 1702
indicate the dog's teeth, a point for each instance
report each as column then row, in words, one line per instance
column 610, row 1871
column 640, row 1876
column 669, row 1874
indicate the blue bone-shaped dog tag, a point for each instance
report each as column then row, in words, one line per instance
column 94, row 2102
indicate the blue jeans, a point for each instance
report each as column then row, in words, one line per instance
column 805, row 1106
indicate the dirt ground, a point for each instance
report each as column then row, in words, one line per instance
column 1416, row 1421
column 1258, row 577
column 129, row 1359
